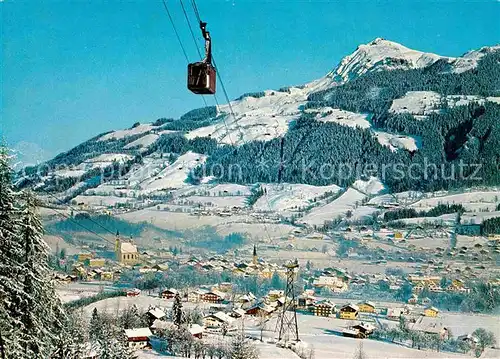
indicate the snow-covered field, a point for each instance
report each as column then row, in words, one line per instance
column 180, row 221
column 216, row 202
column 262, row 118
column 126, row 133
column 100, row 161
column 395, row 141
column 101, row 200
column 144, row 141
column 348, row 201
column 281, row 197
column 371, row 186
column 479, row 217
column 423, row 103
column 175, row 175
column 474, row 198
column 346, row 118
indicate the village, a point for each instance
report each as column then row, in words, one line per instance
column 249, row 296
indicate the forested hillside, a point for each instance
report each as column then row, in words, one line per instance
column 468, row 134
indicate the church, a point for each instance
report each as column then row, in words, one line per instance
column 126, row 252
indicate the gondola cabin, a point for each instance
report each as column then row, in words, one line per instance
column 201, row 78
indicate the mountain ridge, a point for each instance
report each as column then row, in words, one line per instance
column 359, row 94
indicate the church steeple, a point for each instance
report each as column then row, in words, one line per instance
column 118, row 247
column 254, row 258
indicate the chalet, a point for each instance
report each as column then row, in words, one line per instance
column 213, row 296
column 168, row 293
column 396, row 313
column 472, row 340
column 349, row 311
column 155, row 314
column 305, row 300
column 260, row 310
column 426, row 301
column 133, row 292
column 323, row 308
column 138, row 338
column 266, row 273
column 79, row 272
column 65, row 278
column 160, row 325
column 196, row 331
column 225, row 286
column 429, row 326
column 335, row 284
column 413, row 299
column 350, row 333
column 237, row 313
column 274, row 294
column 366, row 307
column 431, row 312
column 217, row 320
column 195, row 296
column 246, row 300
column 364, row 329
column 107, row 275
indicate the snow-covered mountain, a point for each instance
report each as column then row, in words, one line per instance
column 265, row 116
column 380, row 55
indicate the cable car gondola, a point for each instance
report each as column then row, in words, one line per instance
column 202, row 75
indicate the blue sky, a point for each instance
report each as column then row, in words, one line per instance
column 74, row 69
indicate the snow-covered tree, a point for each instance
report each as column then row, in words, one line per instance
column 177, row 310
column 73, row 341
column 241, row 348
column 95, row 327
column 41, row 312
column 32, row 319
column 11, row 291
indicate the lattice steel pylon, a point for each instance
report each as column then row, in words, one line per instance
column 287, row 321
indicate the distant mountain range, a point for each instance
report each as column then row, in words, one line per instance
column 383, row 105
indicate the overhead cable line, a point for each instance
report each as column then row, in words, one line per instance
column 191, row 29
column 75, row 209
column 81, row 225
column 197, row 13
column 175, row 30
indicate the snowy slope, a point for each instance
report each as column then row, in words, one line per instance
column 144, row 141
column 175, row 175
column 395, row 142
column 268, row 117
column 262, row 118
column 117, row 135
column 469, row 60
column 423, row 103
column 287, row 196
column 371, row 186
column 346, row 118
column 100, row 161
column 380, row 55
column 348, row 201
